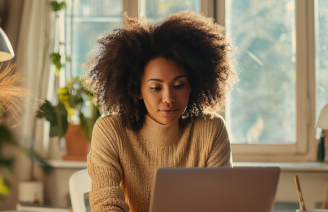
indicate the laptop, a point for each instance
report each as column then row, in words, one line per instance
column 240, row 189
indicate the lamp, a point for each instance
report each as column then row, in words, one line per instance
column 6, row 50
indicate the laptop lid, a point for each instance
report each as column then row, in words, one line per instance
column 242, row 189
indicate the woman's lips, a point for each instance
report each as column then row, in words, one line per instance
column 169, row 112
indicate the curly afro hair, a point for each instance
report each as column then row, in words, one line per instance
column 113, row 73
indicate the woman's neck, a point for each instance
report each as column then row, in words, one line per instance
column 159, row 134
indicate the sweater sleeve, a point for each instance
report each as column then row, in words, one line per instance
column 105, row 169
column 220, row 152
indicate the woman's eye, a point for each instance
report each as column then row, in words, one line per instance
column 155, row 88
column 179, row 86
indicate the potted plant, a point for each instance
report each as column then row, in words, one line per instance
column 72, row 118
column 11, row 97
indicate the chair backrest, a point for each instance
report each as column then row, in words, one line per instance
column 79, row 184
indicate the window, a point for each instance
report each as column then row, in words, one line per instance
column 321, row 55
column 86, row 20
column 155, row 9
column 271, row 113
column 262, row 108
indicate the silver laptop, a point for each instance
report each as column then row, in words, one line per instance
column 240, row 189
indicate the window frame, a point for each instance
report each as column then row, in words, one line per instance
column 305, row 146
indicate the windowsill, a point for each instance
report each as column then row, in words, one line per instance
column 66, row 164
column 288, row 167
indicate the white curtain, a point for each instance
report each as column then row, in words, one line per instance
column 35, row 44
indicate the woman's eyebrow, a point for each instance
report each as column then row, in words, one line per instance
column 175, row 78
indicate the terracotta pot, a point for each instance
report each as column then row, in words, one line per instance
column 77, row 147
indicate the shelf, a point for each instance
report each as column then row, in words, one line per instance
column 307, row 167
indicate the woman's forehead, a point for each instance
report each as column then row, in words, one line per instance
column 163, row 68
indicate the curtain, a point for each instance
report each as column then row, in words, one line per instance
column 35, row 43
column 30, row 27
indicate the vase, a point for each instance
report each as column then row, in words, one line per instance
column 77, row 147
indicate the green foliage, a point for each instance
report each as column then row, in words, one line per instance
column 68, row 59
column 5, row 134
column 4, row 187
column 74, row 103
column 34, row 157
column 6, row 138
column 57, row 117
column 88, row 123
column 56, row 6
column 56, row 57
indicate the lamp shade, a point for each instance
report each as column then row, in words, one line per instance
column 323, row 118
column 6, row 50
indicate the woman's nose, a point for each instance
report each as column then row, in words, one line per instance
column 168, row 96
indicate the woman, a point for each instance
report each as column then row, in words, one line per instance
column 156, row 82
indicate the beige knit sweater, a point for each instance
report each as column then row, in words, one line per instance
column 122, row 163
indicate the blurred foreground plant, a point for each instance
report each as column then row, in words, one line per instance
column 11, row 97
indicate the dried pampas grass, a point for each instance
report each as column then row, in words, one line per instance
column 11, row 94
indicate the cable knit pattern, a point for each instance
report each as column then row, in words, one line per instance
column 122, row 163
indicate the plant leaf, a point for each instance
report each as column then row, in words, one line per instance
column 68, row 59
column 61, row 114
column 56, row 57
column 48, row 112
column 35, row 157
column 5, row 134
column 4, row 188
column 57, row 6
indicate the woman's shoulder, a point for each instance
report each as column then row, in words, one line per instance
column 210, row 127
column 209, row 119
column 110, row 121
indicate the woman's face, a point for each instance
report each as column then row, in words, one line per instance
column 165, row 90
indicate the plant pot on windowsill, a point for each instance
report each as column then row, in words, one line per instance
column 75, row 105
column 77, row 147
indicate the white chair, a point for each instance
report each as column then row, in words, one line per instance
column 79, row 184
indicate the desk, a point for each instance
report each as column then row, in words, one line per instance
column 313, row 179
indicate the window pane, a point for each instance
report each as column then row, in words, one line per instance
column 262, row 107
column 155, row 9
column 97, row 8
column 321, row 52
column 87, row 20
